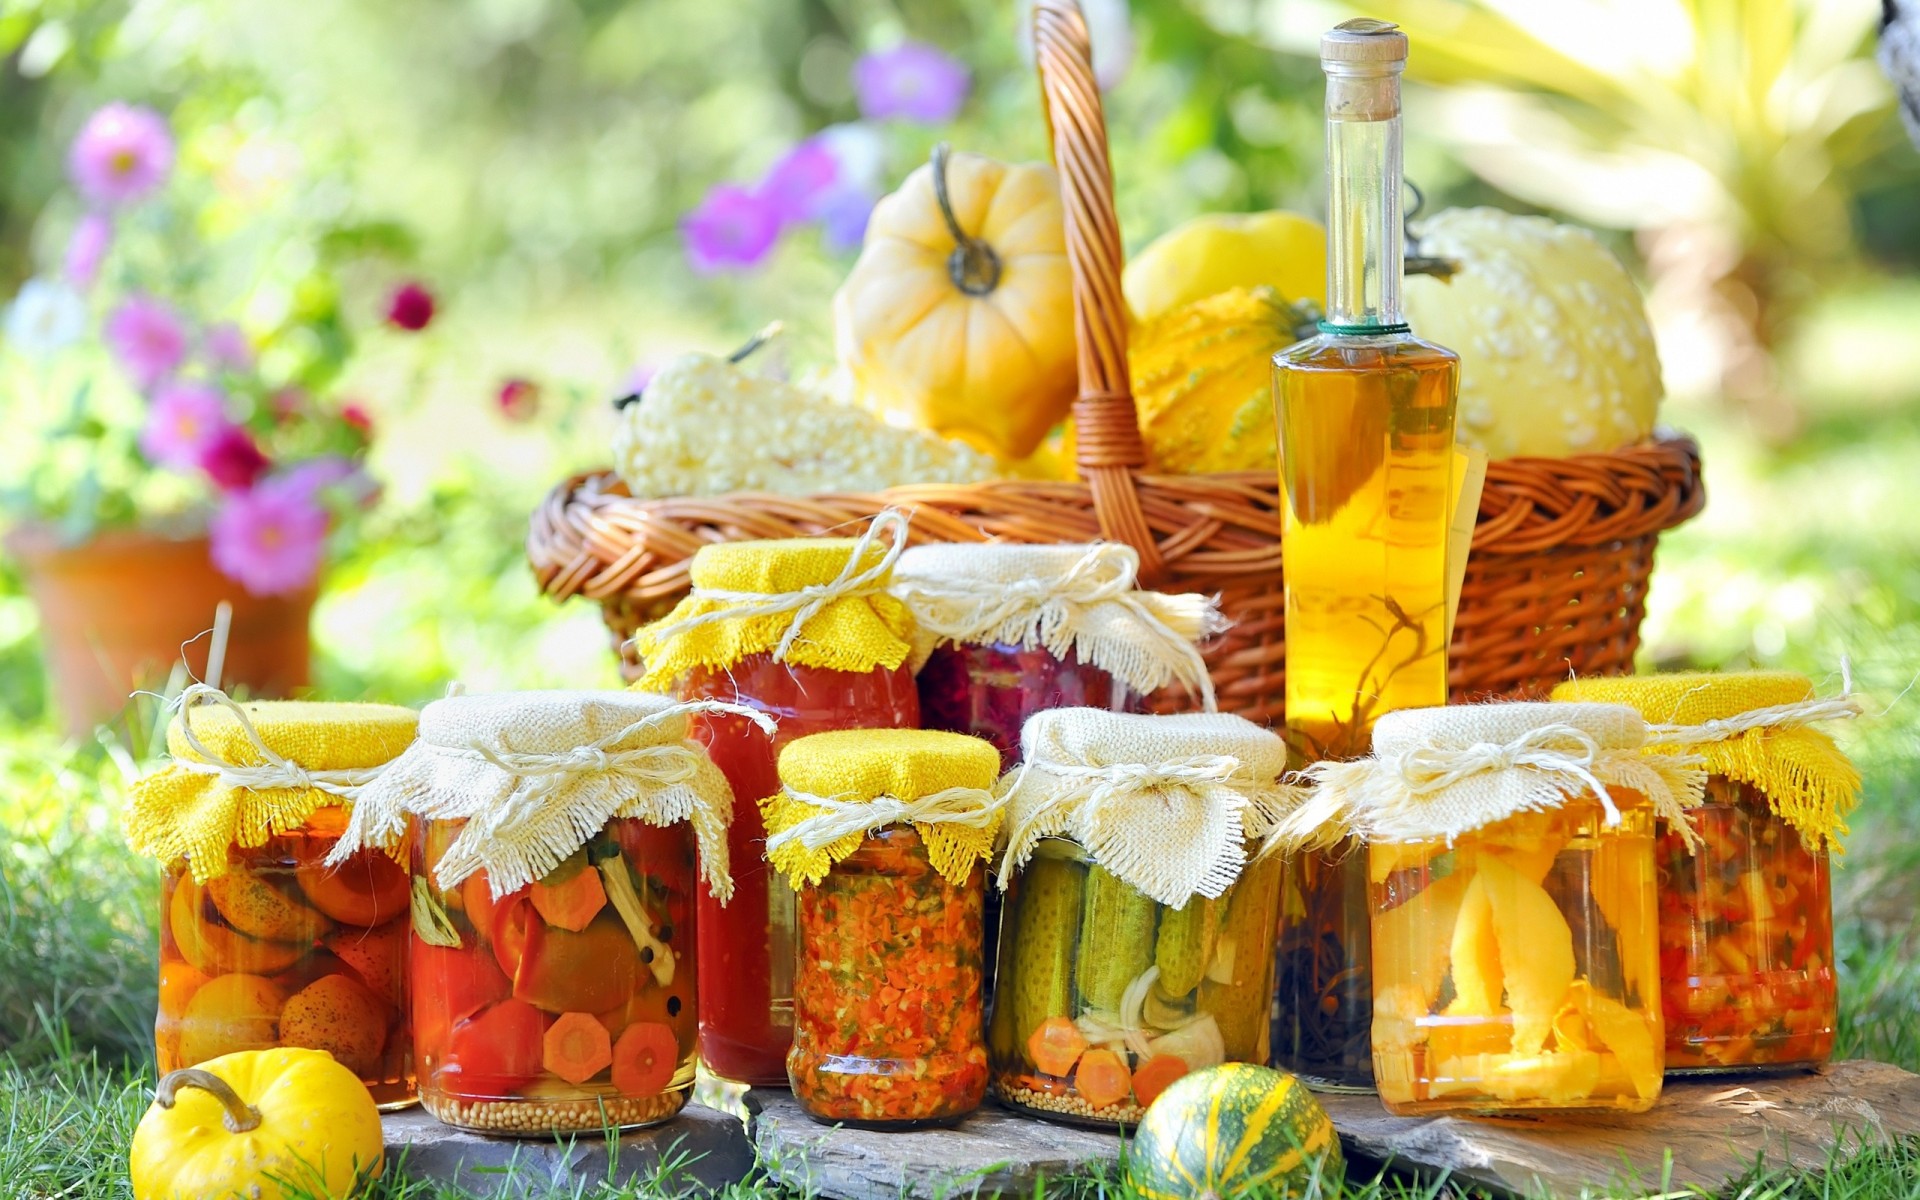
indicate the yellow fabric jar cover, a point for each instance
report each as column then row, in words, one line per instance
column 1752, row 727
column 836, row 787
column 243, row 773
column 813, row 602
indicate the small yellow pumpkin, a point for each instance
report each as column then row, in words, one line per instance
column 254, row 1124
column 1216, row 252
column 958, row 316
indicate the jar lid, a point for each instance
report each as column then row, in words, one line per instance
column 813, row 602
column 242, row 773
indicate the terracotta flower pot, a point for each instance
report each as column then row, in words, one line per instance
column 118, row 611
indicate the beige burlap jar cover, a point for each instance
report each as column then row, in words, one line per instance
column 1168, row 804
column 1442, row 772
column 535, row 775
column 1078, row 599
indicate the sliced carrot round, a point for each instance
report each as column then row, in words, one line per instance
column 576, row 1047
column 1055, row 1045
column 573, row 904
column 1156, row 1075
column 1102, row 1079
column 645, row 1059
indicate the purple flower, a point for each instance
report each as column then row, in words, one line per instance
column 91, row 240
column 912, row 81
column 123, row 153
column 733, row 229
column 638, row 378
column 148, row 338
column 271, row 539
column 843, row 216
column 227, row 347
column 799, row 180
column 316, row 475
column 184, row 421
column 232, row 459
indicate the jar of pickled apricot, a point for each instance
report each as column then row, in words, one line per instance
column 1510, row 873
column 1136, row 943
column 1746, row 908
column 885, row 835
column 804, row 632
column 263, row 941
column 560, row 838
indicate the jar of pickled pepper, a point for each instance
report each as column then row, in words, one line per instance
column 1746, row 915
column 885, row 835
column 553, row 915
column 804, row 631
column 1136, row 941
column 263, row 941
column 1510, row 867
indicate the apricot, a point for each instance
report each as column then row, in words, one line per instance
column 230, row 1013
column 368, row 889
column 206, row 941
column 377, row 956
column 258, row 909
column 336, row 1014
column 178, row 982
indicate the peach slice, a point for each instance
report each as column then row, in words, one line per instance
column 336, row 1014
column 258, row 909
column 231, row 1013
column 378, row 956
column 368, row 889
column 211, row 946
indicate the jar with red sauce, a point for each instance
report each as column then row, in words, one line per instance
column 885, row 836
column 803, row 631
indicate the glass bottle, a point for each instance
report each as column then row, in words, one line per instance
column 1365, row 412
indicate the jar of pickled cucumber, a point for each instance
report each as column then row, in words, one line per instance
column 1136, row 941
column 561, row 838
column 1746, row 912
column 1510, row 882
column 263, row 940
column 885, row 835
column 801, row 630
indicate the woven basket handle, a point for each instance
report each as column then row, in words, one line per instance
column 1109, row 449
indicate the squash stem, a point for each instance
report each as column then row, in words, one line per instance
column 241, row 1117
column 973, row 266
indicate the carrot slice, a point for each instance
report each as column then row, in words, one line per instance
column 571, row 905
column 576, row 1047
column 1102, row 1079
column 645, row 1059
column 1055, row 1045
column 1156, row 1075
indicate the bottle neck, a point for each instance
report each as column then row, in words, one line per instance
column 1363, row 200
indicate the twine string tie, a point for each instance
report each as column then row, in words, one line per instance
column 1429, row 769
column 276, row 771
column 973, row 808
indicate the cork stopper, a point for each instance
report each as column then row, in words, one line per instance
column 1364, row 42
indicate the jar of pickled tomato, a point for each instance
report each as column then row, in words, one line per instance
column 1746, row 908
column 1510, row 883
column 560, row 839
column 803, row 632
column 888, row 1024
column 1137, row 936
column 263, row 943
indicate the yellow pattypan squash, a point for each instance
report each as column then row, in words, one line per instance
column 1221, row 251
column 1556, row 352
column 958, row 315
column 248, row 1123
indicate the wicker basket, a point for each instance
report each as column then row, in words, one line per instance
column 1556, row 583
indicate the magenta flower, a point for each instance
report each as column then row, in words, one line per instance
column 184, row 420
column 87, row 248
column 733, row 229
column 357, row 418
column 148, row 338
column 799, row 180
column 123, row 153
column 410, row 307
column 227, row 347
column 912, row 81
column 270, row 539
column 519, row 400
column 232, row 459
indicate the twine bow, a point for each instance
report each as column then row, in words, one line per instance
column 1843, row 707
column 277, row 771
column 807, row 602
column 972, row 808
column 1429, row 769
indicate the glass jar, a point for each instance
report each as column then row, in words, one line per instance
column 1516, row 970
column 282, row 950
column 1323, row 984
column 1746, row 939
column 1104, row 997
column 888, row 1026
column 989, row 689
column 565, row 1006
column 747, row 946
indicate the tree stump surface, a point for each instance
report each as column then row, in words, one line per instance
column 1715, row 1127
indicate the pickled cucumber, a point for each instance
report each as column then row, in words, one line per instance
column 1185, row 945
column 1116, row 939
column 1241, row 1007
column 1047, row 910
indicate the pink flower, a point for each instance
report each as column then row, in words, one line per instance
column 123, row 153
column 357, row 418
column 270, row 539
column 410, row 307
column 912, row 81
column 227, row 347
column 799, row 179
column 88, row 246
column 149, row 339
column 183, row 422
column 316, row 475
column 733, row 229
column 519, row 399
column 232, row 459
